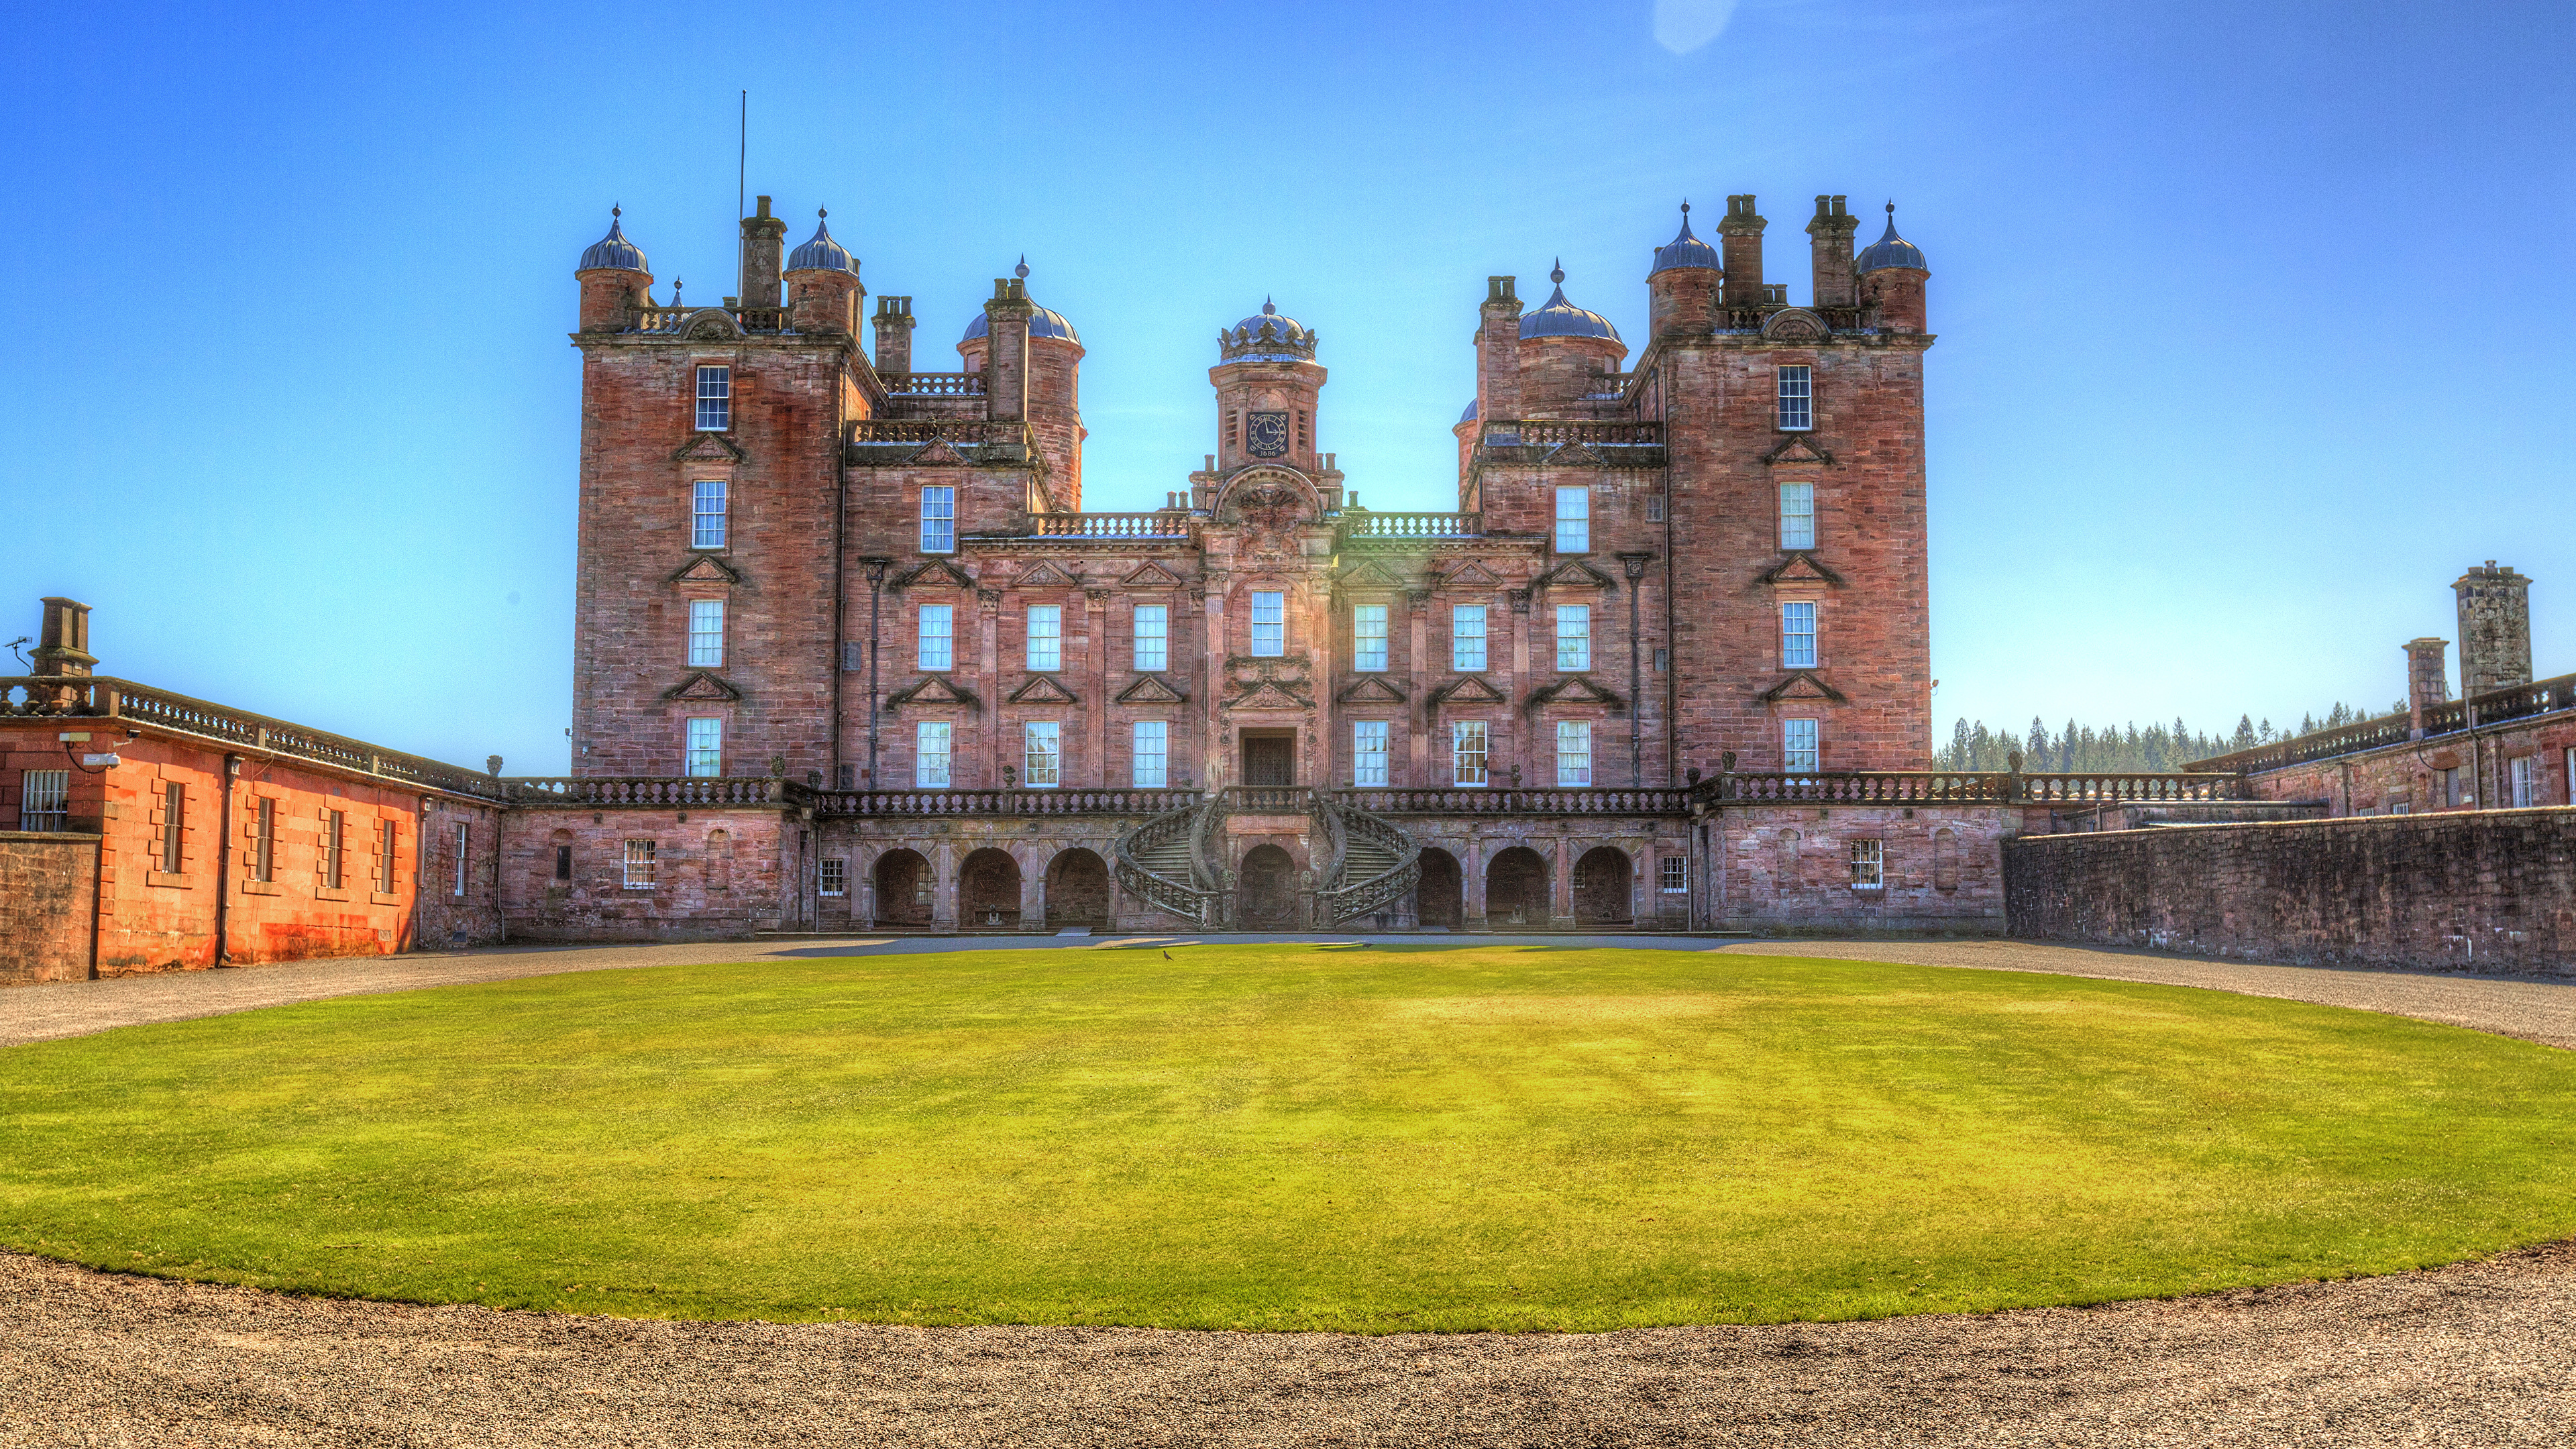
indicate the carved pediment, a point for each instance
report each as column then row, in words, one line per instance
column 1269, row 694
column 1045, row 576
column 1801, row 685
column 702, row 688
column 1575, row 455
column 1373, row 689
column 1467, row 689
column 939, row 454
column 1469, row 575
column 1151, row 689
column 1800, row 568
column 937, row 573
column 1797, row 324
column 1151, row 576
column 1574, row 573
column 930, row 689
column 1367, row 577
column 1799, row 448
column 708, row 448
column 1042, row 689
column 710, row 324
column 1577, row 690
column 706, row 568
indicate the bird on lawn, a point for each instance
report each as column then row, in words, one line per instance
column 1167, row 955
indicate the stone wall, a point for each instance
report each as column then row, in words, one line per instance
column 48, row 890
column 2486, row 890
column 713, row 874
column 1804, row 868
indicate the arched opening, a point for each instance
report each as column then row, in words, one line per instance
column 1603, row 888
column 903, row 889
column 1077, row 890
column 988, row 890
column 1516, row 888
column 1945, row 859
column 1266, row 890
column 1440, row 900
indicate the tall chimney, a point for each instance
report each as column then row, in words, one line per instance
column 1743, row 232
column 64, row 651
column 2495, row 629
column 1830, row 239
column 1006, row 362
column 764, row 241
column 2427, row 683
column 1498, row 354
column 894, row 334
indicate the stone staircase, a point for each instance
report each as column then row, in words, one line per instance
column 1176, row 861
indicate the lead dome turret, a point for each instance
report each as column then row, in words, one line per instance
column 1267, row 334
column 615, row 279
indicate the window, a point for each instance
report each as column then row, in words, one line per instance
column 1368, row 752
column 263, row 840
column 2569, row 779
column 1573, row 636
column 1152, row 754
column 706, row 747
column 1467, row 752
column 1269, row 624
column 706, row 632
column 1046, row 636
column 1467, row 637
column 936, row 644
column 1302, row 445
column 1654, row 508
column 1797, row 515
column 938, row 520
column 335, row 834
column 639, row 865
column 174, row 825
column 1368, row 636
column 1798, row 753
column 2522, row 776
column 707, row 514
column 1672, row 875
column 385, row 856
column 464, row 852
column 1041, row 754
column 2448, row 784
column 1868, row 864
column 715, row 399
column 836, row 877
column 1574, row 520
column 930, row 755
column 1233, row 422
column 1663, row 660
column 563, row 866
column 46, row 800
column 1797, row 636
column 1573, row 752
column 1797, row 399
column 1153, row 636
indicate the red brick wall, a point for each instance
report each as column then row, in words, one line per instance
column 718, row 874
column 48, row 889
column 1792, row 868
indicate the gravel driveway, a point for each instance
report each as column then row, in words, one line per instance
column 2474, row 1354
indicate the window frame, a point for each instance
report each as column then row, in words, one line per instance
column 1054, row 637
column 832, row 881
column 693, row 753
column 715, row 397
column 1794, row 611
column 923, row 732
column 1275, row 600
column 1460, row 731
column 1363, row 615
column 388, row 841
column 706, row 644
column 1482, row 638
column 1161, row 635
column 335, row 839
column 174, row 827
column 58, row 790
column 1031, row 732
column 1804, row 537
column 938, row 533
column 1581, row 532
column 700, row 535
column 263, row 839
column 1579, row 732
column 1160, row 754
column 922, row 637
column 1793, row 397
column 1576, row 646
column 2522, row 781
column 464, row 851
column 1868, row 857
column 639, row 866
column 1364, row 734
column 1813, row 748
column 1672, row 875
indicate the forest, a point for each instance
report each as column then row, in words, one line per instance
column 2124, row 747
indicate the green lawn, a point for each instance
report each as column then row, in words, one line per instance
column 1285, row 1137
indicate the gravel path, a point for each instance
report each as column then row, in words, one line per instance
column 2473, row 1354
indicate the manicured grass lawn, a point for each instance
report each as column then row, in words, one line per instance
column 1285, row 1137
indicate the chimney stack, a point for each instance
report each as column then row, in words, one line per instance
column 764, row 244
column 2495, row 629
column 894, row 334
column 1006, row 361
column 1743, row 232
column 64, row 652
column 1498, row 353
column 2427, row 684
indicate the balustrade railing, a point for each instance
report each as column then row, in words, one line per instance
column 968, row 431
column 2496, row 706
column 1608, row 386
column 1182, row 898
column 1549, row 433
column 1502, row 801
column 1021, row 801
column 933, row 384
column 1379, row 891
column 1268, row 799
column 1939, row 787
column 668, row 321
column 1166, row 524
column 646, row 792
column 1413, row 525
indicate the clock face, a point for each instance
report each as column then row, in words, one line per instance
column 1266, row 434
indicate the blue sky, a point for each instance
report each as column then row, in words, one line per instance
column 2252, row 327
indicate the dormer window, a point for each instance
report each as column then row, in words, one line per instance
column 1797, row 399
column 715, row 399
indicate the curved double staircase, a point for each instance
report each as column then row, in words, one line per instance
column 1176, row 861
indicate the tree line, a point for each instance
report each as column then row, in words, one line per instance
column 2156, row 749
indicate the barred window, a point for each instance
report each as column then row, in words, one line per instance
column 1797, row 399
column 1573, row 752
column 174, row 824
column 263, row 840
column 1269, row 623
column 1368, row 752
column 1042, row 754
column 705, row 747
column 639, row 865
column 1868, row 864
column 715, row 399
column 1046, row 636
column 707, row 514
column 1798, row 753
column 1153, row 636
column 937, row 641
column 706, row 633
column 938, row 520
column 1797, row 636
column 1574, row 520
column 1672, row 875
column 1467, row 637
column 1368, row 636
column 1797, row 515
column 1573, row 636
column 335, row 835
column 45, row 800
column 836, row 876
column 1467, row 752
column 930, row 755
column 1152, row 754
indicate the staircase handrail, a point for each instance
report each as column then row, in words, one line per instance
column 1186, row 899
column 1363, row 897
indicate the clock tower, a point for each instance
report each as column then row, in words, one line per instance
column 1266, row 384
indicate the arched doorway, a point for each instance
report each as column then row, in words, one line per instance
column 1516, row 888
column 988, row 891
column 1440, row 900
column 903, row 889
column 1603, row 885
column 1077, row 890
column 1266, row 890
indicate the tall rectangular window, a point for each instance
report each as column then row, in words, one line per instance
column 1574, row 520
column 1797, row 399
column 335, row 837
column 1798, row 753
column 1153, row 636
column 464, row 853
column 1467, row 752
column 1672, row 875
column 1573, row 752
column 706, row 747
column 45, row 799
column 2447, row 788
column 563, row 867
column 385, row 856
column 1151, row 755
column 2522, row 774
column 715, row 399
column 1573, row 636
column 1269, row 623
column 1368, row 636
column 1797, row 636
column 1797, row 515
column 1046, row 636
column 1041, row 754
column 1368, row 752
column 174, row 823
column 1467, row 637
column 1868, row 864
column 706, row 633
column 707, row 514
column 936, row 644
column 930, row 755
column 2569, row 778
column 639, row 865
column 938, row 520
column 263, row 840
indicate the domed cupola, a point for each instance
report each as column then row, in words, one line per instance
column 1044, row 323
column 1267, row 335
column 822, row 254
column 1685, row 250
column 1561, row 318
column 613, row 252
column 1890, row 250
column 1469, row 415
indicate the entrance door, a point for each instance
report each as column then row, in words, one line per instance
column 1270, row 759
